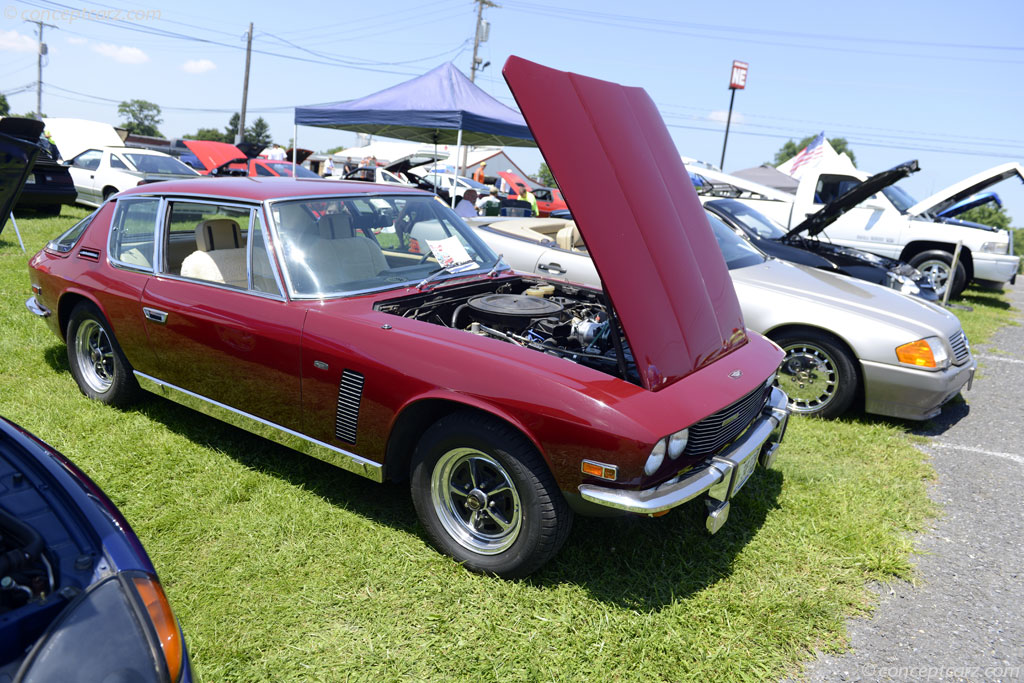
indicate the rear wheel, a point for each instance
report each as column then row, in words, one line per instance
column 97, row 364
column 486, row 497
column 817, row 373
column 937, row 267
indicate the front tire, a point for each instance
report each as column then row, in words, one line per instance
column 96, row 361
column 817, row 373
column 486, row 497
column 937, row 266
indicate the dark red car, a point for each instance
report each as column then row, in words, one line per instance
column 297, row 309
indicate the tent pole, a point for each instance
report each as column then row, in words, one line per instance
column 295, row 147
column 458, row 153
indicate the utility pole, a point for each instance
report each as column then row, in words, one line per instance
column 240, row 135
column 483, row 30
column 39, row 68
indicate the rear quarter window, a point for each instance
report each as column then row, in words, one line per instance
column 132, row 233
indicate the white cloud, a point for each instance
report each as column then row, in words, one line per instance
column 12, row 41
column 75, row 40
column 720, row 115
column 122, row 53
column 198, row 66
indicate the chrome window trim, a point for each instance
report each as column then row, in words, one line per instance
column 157, row 230
column 265, row 232
column 274, row 432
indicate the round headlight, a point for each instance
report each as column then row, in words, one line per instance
column 655, row 459
column 677, row 443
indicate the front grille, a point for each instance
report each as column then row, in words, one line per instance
column 350, row 392
column 715, row 431
column 961, row 349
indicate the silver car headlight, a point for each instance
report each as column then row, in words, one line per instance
column 995, row 247
column 924, row 353
column 656, row 457
column 677, row 443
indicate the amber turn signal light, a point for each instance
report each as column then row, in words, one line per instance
column 599, row 469
column 163, row 621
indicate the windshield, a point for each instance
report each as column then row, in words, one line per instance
column 155, row 163
column 737, row 251
column 899, row 197
column 284, row 168
column 333, row 246
column 750, row 219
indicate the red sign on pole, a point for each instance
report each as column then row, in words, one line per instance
column 738, row 79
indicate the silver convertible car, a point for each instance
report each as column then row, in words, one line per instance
column 847, row 342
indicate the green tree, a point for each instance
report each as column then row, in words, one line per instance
column 207, row 134
column 232, row 129
column 544, row 176
column 988, row 214
column 5, row 108
column 258, row 133
column 140, row 117
column 791, row 149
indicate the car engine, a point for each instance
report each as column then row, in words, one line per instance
column 25, row 573
column 561, row 320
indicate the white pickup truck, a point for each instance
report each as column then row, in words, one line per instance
column 880, row 217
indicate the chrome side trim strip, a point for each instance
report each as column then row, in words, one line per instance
column 268, row 430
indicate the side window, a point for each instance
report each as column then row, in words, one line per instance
column 89, row 160
column 262, row 270
column 115, row 162
column 206, row 241
column 132, row 232
column 262, row 170
column 67, row 241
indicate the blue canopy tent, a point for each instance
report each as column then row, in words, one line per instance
column 442, row 106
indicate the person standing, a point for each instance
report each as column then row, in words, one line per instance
column 276, row 153
column 527, row 196
column 478, row 174
column 328, row 167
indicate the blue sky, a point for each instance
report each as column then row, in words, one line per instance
column 939, row 82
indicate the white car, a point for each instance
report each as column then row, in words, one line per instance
column 872, row 213
column 101, row 172
column 442, row 183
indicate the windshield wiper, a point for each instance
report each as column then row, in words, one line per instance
column 499, row 265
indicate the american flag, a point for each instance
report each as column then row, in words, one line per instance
column 808, row 154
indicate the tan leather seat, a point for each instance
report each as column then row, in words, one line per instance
column 340, row 255
column 569, row 237
column 219, row 255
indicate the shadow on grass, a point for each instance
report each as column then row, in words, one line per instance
column 636, row 562
column 56, row 357
column 647, row 564
column 985, row 299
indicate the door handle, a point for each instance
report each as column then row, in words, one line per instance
column 552, row 268
column 154, row 315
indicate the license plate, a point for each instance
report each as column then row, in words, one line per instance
column 743, row 472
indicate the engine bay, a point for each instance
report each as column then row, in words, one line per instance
column 562, row 320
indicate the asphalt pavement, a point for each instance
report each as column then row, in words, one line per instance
column 964, row 620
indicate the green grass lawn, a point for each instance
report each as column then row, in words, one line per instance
column 283, row 568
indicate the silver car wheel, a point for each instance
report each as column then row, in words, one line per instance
column 937, row 271
column 476, row 501
column 809, row 377
column 94, row 354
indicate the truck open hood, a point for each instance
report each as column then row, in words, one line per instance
column 972, row 202
column 19, row 147
column 214, row 154
column 639, row 215
column 943, row 199
column 828, row 214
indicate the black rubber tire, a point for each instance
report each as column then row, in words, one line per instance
column 109, row 192
column 544, row 517
column 96, row 360
column 929, row 262
column 816, row 357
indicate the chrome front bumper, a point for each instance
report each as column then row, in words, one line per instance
column 721, row 478
column 37, row 308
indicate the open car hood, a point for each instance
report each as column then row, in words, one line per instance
column 639, row 215
column 213, row 154
column 972, row 202
column 828, row 214
column 943, row 199
column 19, row 147
column 412, row 161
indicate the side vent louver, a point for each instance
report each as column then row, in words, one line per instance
column 89, row 254
column 350, row 392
